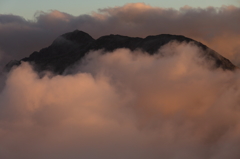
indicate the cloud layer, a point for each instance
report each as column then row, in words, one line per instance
column 215, row 27
column 123, row 105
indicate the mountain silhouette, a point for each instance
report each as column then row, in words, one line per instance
column 71, row 47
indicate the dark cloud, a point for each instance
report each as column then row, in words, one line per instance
column 216, row 27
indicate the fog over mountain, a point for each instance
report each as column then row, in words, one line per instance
column 72, row 47
column 129, row 85
column 180, row 100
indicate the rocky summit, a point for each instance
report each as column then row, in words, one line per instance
column 71, row 47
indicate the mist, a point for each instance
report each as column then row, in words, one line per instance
column 123, row 104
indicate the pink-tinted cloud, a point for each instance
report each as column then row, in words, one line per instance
column 123, row 105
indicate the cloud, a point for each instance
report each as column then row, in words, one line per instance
column 215, row 27
column 123, row 105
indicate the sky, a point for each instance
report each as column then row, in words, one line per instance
column 27, row 8
column 121, row 104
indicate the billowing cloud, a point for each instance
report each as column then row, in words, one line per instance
column 123, row 105
column 216, row 27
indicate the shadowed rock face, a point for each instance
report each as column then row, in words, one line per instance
column 71, row 47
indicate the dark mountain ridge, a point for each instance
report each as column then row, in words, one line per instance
column 71, row 47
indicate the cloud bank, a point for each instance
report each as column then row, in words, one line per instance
column 123, row 105
column 215, row 27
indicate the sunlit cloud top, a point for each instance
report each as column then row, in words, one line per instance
column 27, row 8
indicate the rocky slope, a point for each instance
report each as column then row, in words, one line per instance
column 71, row 47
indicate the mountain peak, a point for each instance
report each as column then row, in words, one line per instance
column 71, row 47
column 76, row 36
